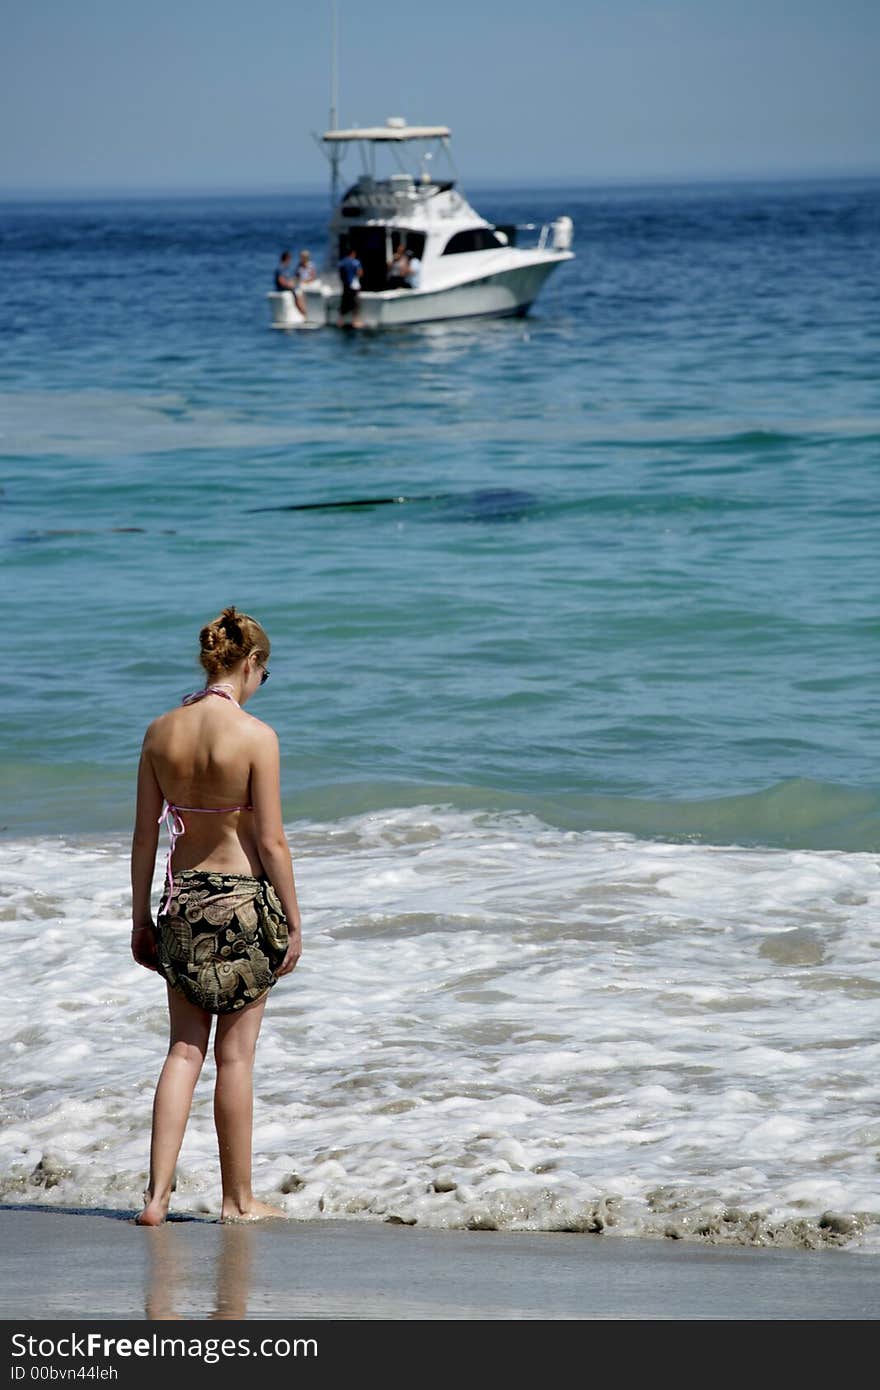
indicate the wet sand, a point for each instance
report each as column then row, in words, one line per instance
column 70, row 1265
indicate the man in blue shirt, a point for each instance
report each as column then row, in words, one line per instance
column 350, row 272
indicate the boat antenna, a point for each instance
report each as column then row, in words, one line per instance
column 335, row 153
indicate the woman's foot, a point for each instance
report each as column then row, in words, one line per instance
column 154, row 1211
column 153, row 1214
column 251, row 1211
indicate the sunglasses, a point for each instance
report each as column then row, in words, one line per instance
column 264, row 676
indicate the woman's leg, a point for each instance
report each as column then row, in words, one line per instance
column 190, row 1030
column 235, row 1043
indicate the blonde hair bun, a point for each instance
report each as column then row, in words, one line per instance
column 229, row 639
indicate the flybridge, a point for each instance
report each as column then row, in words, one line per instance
column 379, row 143
column 394, row 129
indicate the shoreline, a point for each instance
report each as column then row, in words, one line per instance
column 71, row 1264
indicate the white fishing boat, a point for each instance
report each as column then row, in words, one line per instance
column 460, row 265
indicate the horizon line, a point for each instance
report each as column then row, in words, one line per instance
column 142, row 192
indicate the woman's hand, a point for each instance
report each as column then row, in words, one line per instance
column 143, row 945
column 293, row 953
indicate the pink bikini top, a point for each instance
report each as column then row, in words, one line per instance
column 171, row 817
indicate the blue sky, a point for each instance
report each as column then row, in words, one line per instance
column 201, row 95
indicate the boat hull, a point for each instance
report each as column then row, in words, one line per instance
column 492, row 295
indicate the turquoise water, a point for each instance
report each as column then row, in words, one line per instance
column 634, row 582
column 630, row 585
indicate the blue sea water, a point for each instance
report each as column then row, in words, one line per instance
column 636, row 584
column 578, row 734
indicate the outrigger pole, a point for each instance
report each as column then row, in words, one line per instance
column 333, row 155
column 336, row 153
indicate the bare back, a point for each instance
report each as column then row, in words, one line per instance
column 205, row 756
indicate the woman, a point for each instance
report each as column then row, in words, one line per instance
column 305, row 271
column 229, row 924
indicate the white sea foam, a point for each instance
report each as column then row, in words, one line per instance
column 493, row 1024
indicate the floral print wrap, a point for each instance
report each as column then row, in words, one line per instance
column 221, row 939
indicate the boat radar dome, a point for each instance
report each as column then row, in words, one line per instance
column 396, row 122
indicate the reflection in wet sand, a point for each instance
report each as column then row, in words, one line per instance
column 178, row 1275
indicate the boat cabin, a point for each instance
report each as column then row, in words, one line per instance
column 409, row 206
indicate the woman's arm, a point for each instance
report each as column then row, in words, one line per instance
column 271, row 841
column 143, row 861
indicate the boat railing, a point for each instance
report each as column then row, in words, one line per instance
column 544, row 232
column 556, row 234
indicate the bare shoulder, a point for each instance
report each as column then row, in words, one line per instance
column 263, row 735
column 157, row 728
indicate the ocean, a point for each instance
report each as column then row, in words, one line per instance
column 577, row 733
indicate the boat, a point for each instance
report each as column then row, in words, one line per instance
column 466, row 267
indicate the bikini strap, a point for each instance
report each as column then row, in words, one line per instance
column 170, row 817
column 195, row 695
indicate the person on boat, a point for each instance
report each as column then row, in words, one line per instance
column 404, row 270
column 350, row 272
column 286, row 279
column 229, row 923
column 413, row 272
column 305, row 270
column 396, row 278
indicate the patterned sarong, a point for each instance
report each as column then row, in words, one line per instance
column 221, row 938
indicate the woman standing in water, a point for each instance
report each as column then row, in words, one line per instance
column 229, row 924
